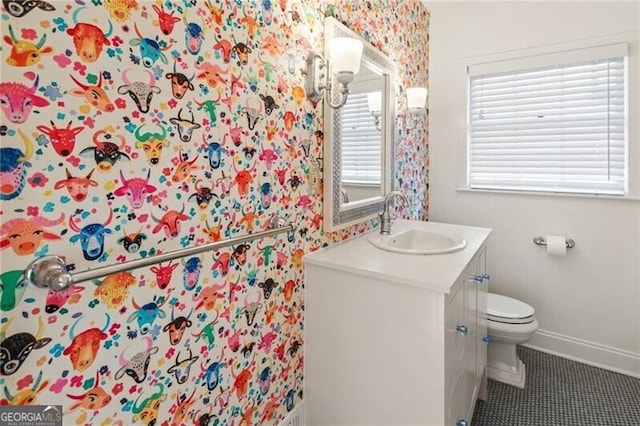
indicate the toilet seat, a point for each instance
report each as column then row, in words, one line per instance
column 506, row 310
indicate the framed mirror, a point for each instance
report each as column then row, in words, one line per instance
column 358, row 138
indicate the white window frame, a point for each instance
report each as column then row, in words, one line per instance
column 532, row 56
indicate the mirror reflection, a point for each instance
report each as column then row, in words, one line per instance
column 361, row 161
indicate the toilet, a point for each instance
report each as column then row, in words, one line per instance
column 510, row 322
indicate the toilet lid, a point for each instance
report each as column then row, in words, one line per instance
column 506, row 307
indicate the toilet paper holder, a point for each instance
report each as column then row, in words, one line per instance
column 542, row 242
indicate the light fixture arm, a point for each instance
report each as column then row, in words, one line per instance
column 319, row 81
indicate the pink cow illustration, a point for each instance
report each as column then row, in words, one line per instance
column 221, row 262
column 170, row 222
column 212, row 74
column 135, row 189
column 57, row 299
column 17, row 100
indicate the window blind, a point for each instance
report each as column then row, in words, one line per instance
column 559, row 128
column 361, row 142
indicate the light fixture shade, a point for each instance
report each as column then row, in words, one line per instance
column 345, row 54
column 375, row 101
column 416, row 97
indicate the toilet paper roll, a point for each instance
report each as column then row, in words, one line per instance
column 556, row 245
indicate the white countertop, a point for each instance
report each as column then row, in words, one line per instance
column 435, row 271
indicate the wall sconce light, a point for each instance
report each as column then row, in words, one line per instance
column 416, row 106
column 374, row 99
column 343, row 65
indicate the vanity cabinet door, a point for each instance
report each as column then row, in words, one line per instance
column 483, row 334
column 456, row 331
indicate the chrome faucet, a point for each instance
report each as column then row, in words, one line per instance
column 385, row 217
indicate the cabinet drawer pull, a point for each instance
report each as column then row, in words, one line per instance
column 486, row 276
column 462, row 422
column 486, row 339
column 461, row 329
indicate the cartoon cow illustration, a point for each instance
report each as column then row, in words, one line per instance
column 163, row 273
column 139, row 91
column 63, row 140
column 106, row 153
column 135, row 189
column 13, row 168
column 91, row 237
column 243, row 179
column 136, row 367
column 15, row 349
column 193, row 36
column 182, row 369
column 25, row 53
column 132, row 242
column 27, row 396
column 120, row 10
column 180, row 83
column 203, row 195
column 170, row 222
column 93, row 399
column 57, row 299
column 184, row 126
column 191, row 272
column 94, row 94
column 250, row 309
column 88, row 39
column 17, row 100
column 152, row 143
column 177, row 327
column 253, row 113
column 78, row 187
column 146, row 410
column 84, row 346
column 13, row 285
column 114, row 289
column 166, row 20
column 147, row 314
column 24, row 236
column 150, row 50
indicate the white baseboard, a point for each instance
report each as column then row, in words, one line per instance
column 295, row 416
column 602, row 356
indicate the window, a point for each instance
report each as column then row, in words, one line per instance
column 554, row 123
column 361, row 142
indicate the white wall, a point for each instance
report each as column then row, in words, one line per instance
column 588, row 303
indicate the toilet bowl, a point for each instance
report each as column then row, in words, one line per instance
column 510, row 322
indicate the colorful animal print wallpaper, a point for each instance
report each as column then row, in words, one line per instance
column 131, row 128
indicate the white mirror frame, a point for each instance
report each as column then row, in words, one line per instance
column 337, row 215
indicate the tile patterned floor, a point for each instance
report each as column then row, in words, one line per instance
column 560, row 392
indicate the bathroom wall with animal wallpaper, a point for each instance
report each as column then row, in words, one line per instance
column 131, row 128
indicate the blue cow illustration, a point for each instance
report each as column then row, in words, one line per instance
column 147, row 314
column 150, row 50
column 91, row 237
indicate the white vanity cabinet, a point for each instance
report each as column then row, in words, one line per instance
column 393, row 338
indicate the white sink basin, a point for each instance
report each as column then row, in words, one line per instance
column 418, row 241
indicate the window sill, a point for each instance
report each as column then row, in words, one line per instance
column 550, row 194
